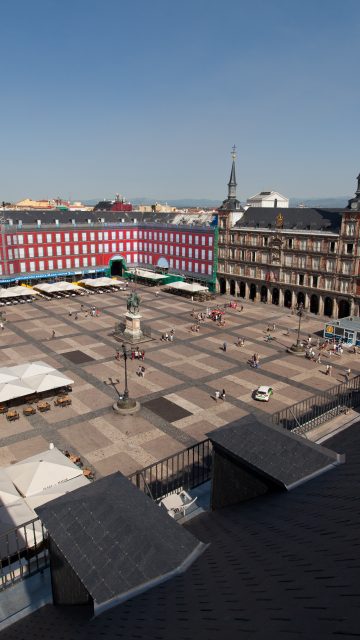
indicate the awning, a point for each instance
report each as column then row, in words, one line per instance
column 14, row 389
column 48, row 381
column 186, row 286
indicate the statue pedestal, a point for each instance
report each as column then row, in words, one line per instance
column 132, row 331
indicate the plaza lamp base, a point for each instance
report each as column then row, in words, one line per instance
column 297, row 349
column 126, row 407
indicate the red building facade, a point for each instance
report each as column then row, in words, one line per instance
column 47, row 250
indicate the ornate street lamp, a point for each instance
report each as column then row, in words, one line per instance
column 298, row 348
column 124, row 404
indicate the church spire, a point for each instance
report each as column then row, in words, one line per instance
column 357, row 192
column 232, row 181
column 354, row 203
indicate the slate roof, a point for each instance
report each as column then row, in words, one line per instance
column 279, row 455
column 81, row 217
column 285, row 565
column 116, row 538
column 294, row 218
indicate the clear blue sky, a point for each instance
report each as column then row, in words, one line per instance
column 146, row 98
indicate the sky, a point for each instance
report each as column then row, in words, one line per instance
column 147, row 98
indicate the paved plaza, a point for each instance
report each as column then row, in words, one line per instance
column 177, row 392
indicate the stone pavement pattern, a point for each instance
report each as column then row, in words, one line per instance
column 177, row 392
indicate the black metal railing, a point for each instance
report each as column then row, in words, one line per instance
column 311, row 412
column 23, row 552
column 184, row 470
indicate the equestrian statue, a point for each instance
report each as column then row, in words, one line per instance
column 133, row 302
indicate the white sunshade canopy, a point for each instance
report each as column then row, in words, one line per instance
column 29, row 369
column 48, row 381
column 16, row 292
column 186, row 286
column 101, row 282
column 62, row 285
column 16, row 515
column 150, row 275
column 6, row 375
column 14, row 389
column 55, row 492
column 42, row 471
column 8, row 492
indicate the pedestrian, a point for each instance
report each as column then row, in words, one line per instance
column 171, row 337
column 53, row 333
column 142, row 372
column 217, row 395
column 318, row 359
column 328, row 369
column 2, row 326
column 274, row 326
column 138, row 371
column 142, row 355
column 75, row 316
column 347, row 374
column 224, row 346
column 70, row 313
column 117, row 355
column 223, row 395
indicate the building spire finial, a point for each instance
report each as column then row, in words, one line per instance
column 233, row 153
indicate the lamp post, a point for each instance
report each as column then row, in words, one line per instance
column 124, row 404
column 298, row 348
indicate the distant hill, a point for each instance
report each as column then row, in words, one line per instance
column 328, row 203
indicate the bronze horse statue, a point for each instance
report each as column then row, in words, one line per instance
column 133, row 302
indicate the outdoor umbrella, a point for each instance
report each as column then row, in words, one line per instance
column 47, row 469
column 29, row 369
column 16, row 516
column 8, row 493
column 48, row 381
column 14, row 389
column 55, row 492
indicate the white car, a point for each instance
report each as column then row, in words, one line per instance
column 263, row 393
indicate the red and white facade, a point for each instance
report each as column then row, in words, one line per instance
column 49, row 250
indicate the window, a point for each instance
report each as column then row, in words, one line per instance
column 66, row 237
column 21, row 252
column 209, row 269
column 183, row 251
column 113, row 246
column 68, row 263
column 315, row 280
column 190, row 239
column 316, row 245
column 106, row 248
column 302, row 245
column 92, row 236
column 57, row 237
column 113, row 235
column 128, row 246
column 288, row 260
column 128, row 235
column 289, row 243
column 189, row 266
column 211, row 241
column 346, row 268
column 330, row 265
column 196, row 239
column 20, row 240
column 350, row 229
column 106, row 235
column 183, row 265
column 49, row 251
column 183, row 238
column 196, row 253
column 203, row 267
column 92, row 248
column 253, row 256
column 121, row 235
column 30, row 239
column 203, row 240
column 177, row 237
column 177, row 250
column 59, row 264
column 67, row 249
column 22, row 267
column 76, row 237
column 301, row 262
column 40, row 252
column 10, row 253
column 51, row 264
column 316, row 263
column 31, row 252
column 48, row 237
column 32, row 266
column 58, row 251
column 301, row 279
column 190, row 252
column 83, row 236
column 93, row 261
column 349, row 247
column 327, row 283
column 76, row 262
column 203, row 254
column 266, row 241
column 332, row 246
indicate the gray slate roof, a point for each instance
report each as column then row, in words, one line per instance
column 282, row 566
column 115, row 538
column 279, row 455
column 294, row 218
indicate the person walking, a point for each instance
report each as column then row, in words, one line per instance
column 142, row 372
column 347, row 374
column 224, row 346
column 53, row 333
column 223, row 395
column 2, row 326
column 217, row 395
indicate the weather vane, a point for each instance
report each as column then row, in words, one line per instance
column 233, row 153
